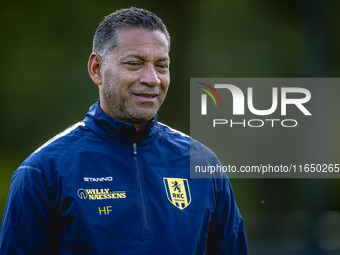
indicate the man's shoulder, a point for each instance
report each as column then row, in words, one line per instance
column 165, row 130
column 183, row 139
column 57, row 144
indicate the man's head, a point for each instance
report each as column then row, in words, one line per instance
column 106, row 37
column 130, row 63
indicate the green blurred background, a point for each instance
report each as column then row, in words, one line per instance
column 45, row 88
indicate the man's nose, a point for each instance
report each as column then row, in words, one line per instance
column 149, row 76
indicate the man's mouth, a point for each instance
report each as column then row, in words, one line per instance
column 146, row 95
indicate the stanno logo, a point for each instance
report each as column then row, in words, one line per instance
column 100, row 179
column 100, row 194
column 178, row 192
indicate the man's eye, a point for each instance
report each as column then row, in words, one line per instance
column 132, row 63
column 164, row 66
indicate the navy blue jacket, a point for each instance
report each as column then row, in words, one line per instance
column 99, row 188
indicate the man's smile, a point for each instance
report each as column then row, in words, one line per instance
column 146, row 96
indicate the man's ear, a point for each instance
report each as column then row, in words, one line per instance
column 94, row 67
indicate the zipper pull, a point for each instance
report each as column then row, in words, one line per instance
column 134, row 149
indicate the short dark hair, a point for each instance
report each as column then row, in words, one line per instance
column 106, row 37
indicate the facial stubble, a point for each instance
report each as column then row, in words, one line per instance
column 120, row 108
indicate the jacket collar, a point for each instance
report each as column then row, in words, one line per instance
column 117, row 131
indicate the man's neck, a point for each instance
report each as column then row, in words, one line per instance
column 138, row 127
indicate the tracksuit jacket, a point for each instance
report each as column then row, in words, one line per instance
column 99, row 187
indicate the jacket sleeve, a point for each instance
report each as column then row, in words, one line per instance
column 226, row 229
column 28, row 225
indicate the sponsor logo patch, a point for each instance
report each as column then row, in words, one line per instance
column 178, row 192
column 100, row 194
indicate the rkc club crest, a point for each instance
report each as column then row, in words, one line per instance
column 178, row 192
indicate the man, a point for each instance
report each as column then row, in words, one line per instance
column 119, row 181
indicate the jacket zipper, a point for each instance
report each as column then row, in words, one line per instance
column 134, row 149
column 140, row 186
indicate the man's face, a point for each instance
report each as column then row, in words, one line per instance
column 135, row 75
